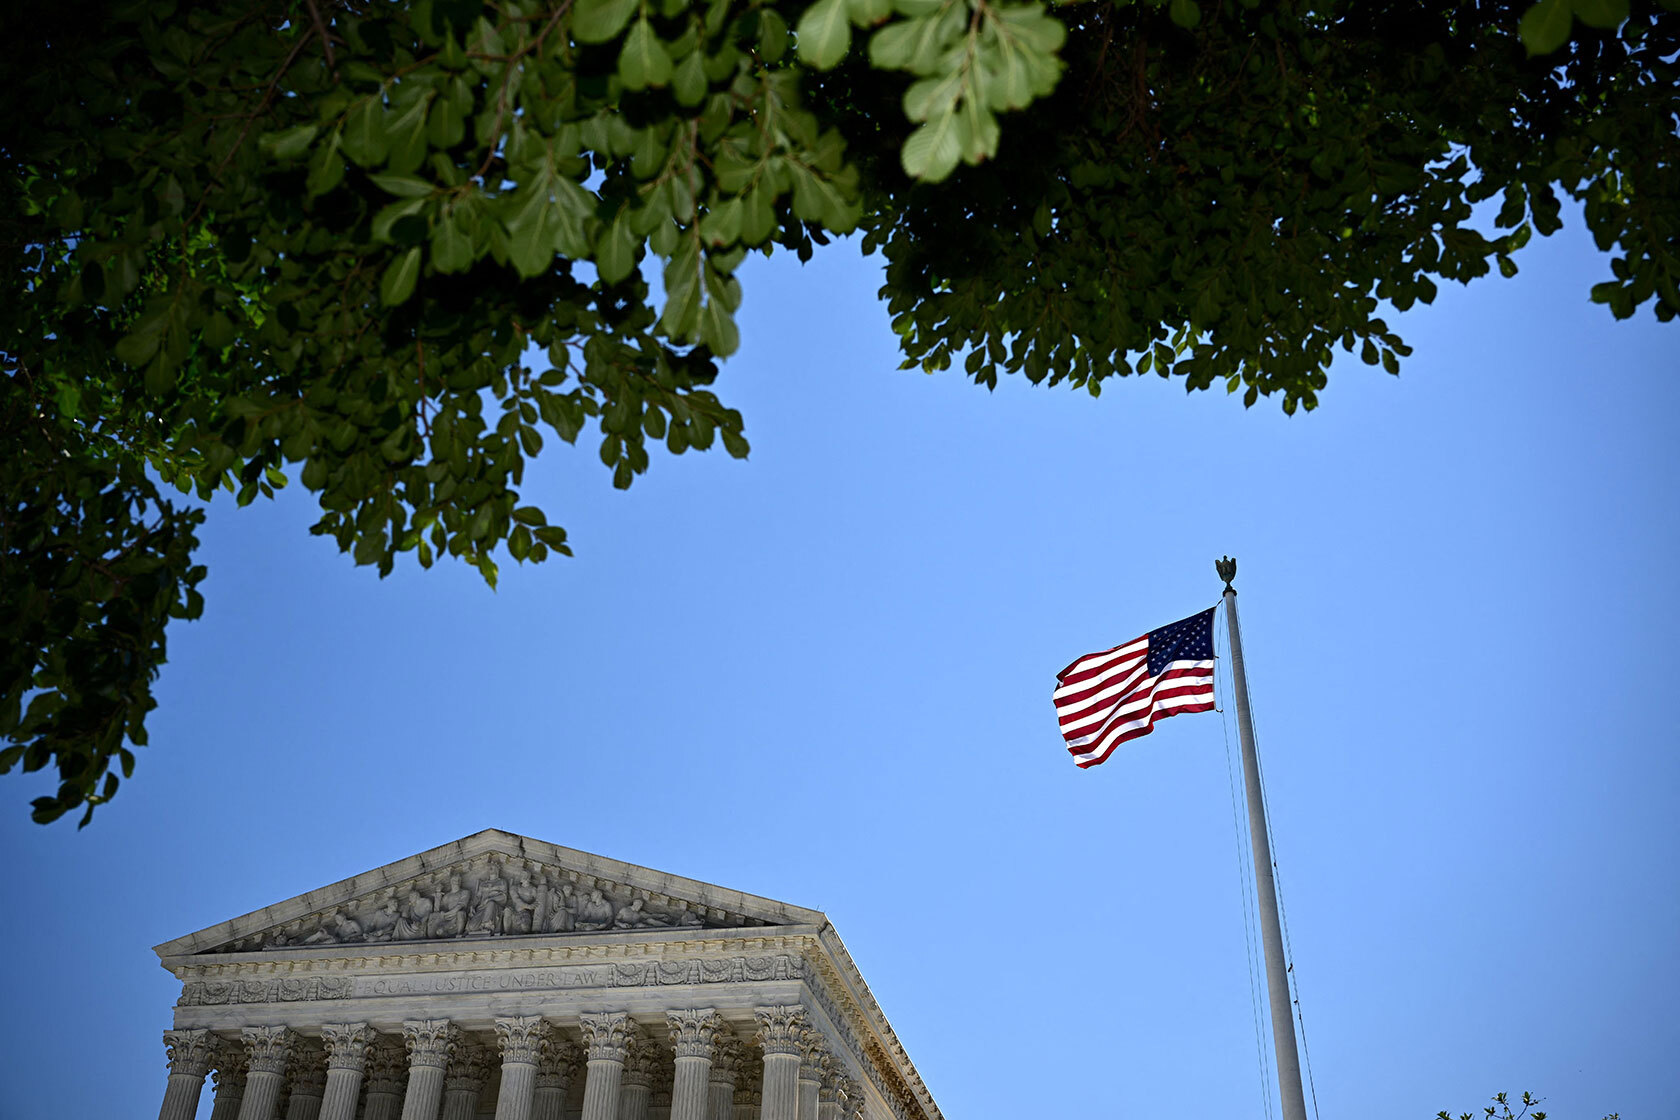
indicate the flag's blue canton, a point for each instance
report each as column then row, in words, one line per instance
column 1189, row 639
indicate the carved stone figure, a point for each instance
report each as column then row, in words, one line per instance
column 451, row 917
column 633, row 916
column 557, row 908
column 382, row 923
column 492, row 899
column 687, row 917
column 337, row 928
column 416, row 917
column 596, row 912
column 521, row 913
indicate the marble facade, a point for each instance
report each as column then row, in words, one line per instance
column 503, row 977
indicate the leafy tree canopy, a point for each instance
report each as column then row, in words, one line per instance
column 390, row 249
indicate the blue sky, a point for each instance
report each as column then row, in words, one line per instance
column 823, row 675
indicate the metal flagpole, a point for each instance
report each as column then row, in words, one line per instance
column 1271, row 938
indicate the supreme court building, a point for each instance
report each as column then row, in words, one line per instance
column 502, row 976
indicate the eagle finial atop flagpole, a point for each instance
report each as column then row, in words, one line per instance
column 1227, row 569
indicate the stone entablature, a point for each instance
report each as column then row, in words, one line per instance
column 514, row 1007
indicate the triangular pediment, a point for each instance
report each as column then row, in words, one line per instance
column 489, row 886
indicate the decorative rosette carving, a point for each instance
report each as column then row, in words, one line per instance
column 606, row 1034
column 387, row 1068
column 780, row 1029
column 268, row 1049
column 347, row 1045
column 521, row 1039
column 430, row 1042
column 694, row 1032
column 190, row 1052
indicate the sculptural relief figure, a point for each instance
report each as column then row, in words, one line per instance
column 634, row 916
column 492, row 899
column 557, row 908
column 382, row 923
column 451, row 917
column 337, row 928
column 596, row 912
column 687, row 917
column 416, row 916
column 521, row 913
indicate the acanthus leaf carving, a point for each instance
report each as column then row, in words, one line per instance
column 694, row 1032
column 190, row 1052
column 430, row 1042
column 781, row 1029
column 347, row 1045
column 606, row 1034
column 521, row 1039
column 268, row 1049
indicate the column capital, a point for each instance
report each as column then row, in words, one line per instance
column 268, row 1048
column 309, row 1069
column 558, row 1061
column 813, row 1048
column 468, row 1069
column 430, row 1042
column 780, row 1028
column 191, row 1052
column 829, row 1070
column 229, row 1060
column 387, row 1068
column 641, row 1064
column 521, row 1039
column 347, row 1045
column 727, row 1056
column 606, row 1034
column 695, row 1031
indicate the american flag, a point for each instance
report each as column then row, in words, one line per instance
column 1106, row 698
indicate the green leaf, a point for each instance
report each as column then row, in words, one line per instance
column 682, row 292
column 644, row 61
column 824, row 33
column 326, row 169
column 406, row 131
column 1545, row 26
column 1606, row 14
column 364, row 133
column 290, row 143
column 596, row 21
column 398, row 282
column 615, row 252
column 1185, row 13
column 403, row 186
column 932, row 151
column 452, row 249
column 688, row 81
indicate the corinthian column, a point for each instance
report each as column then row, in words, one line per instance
column 812, row 1051
column 521, row 1043
column 828, row 1096
column 641, row 1067
column 309, row 1081
column 430, row 1044
column 347, row 1045
column 190, row 1055
column 606, row 1035
column 557, row 1063
column 268, row 1051
column 387, row 1072
column 464, row 1081
column 779, row 1032
column 230, row 1080
column 694, row 1035
column 720, row 1079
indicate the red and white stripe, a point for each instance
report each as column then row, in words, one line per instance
column 1107, row 698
